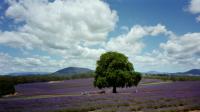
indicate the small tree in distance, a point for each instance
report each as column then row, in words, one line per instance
column 6, row 86
column 114, row 70
column 137, row 79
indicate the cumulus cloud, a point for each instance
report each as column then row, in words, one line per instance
column 194, row 7
column 60, row 24
column 34, row 63
column 183, row 48
column 198, row 18
column 130, row 43
column 181, row 52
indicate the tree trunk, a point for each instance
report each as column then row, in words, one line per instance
column 114, row 89
column 136, row 90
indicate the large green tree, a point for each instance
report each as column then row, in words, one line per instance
column 114, row 70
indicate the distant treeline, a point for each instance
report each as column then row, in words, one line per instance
column 166, row 77
column 7, row 82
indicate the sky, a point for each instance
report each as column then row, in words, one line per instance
column 47, row 35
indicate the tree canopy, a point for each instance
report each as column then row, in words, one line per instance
column 114, row 70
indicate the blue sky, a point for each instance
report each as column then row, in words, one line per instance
column 173, row 14
column 42, row 35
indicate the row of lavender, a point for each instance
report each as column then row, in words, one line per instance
column 166, row 97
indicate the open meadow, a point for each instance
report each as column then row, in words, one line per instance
column 153, row 95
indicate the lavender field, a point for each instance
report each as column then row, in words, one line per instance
column 65, row 96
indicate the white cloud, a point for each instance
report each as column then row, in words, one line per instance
column 35, row 63
column 198, row 18
column 194, row 7
column 181, row 53
column 59, row 24
column 183, row 47
column 130, row 43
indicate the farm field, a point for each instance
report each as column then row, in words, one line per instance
column 99, row 55
column 66, row 96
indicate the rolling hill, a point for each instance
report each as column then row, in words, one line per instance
column 192, row 72
column 72, row 70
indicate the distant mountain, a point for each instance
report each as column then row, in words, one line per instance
column 73, row 70
column 27, row 73
column 192, row 72
column 155, row 72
